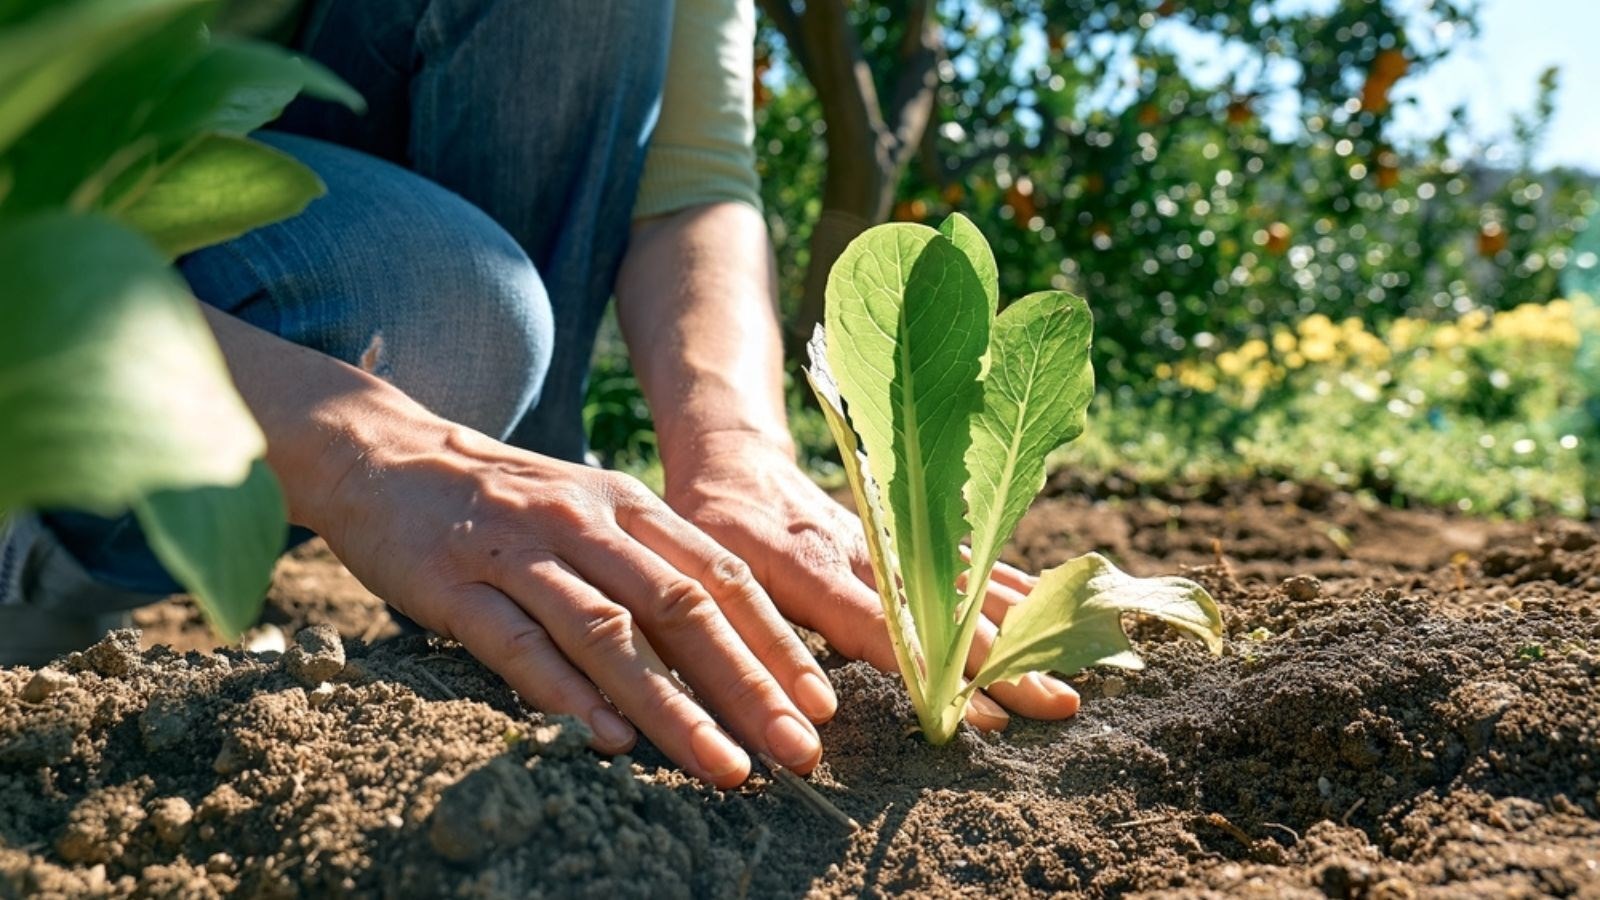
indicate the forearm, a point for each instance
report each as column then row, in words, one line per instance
column 695, row 299
column 319, row 414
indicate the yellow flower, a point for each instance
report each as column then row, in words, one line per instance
column 1315, row 325
column 1294, row 361
column 1232, row 364
column 1318, row 349
column 1474, row 320
column 1403, row 332
column 1283, row 341
column 1253, row 349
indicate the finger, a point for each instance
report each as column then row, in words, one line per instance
column 1035, row 695
column 747, row 607
column 691, row 633
column 986, row 715
column 503, row 637
column 1004, row 574
column 997, row 600
column 602, row 639
column 1013, row 578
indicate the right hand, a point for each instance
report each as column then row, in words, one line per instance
column 584, row 591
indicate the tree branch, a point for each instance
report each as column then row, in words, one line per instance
column 917, row 86
column 788, row 24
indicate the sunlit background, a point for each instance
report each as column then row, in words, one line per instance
column 1335, row 240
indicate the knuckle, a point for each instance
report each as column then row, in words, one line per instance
column 679, row 603
column 726, row 573
column 527, row 641
column 609, row 631
column 670, row 705
column 751, row 689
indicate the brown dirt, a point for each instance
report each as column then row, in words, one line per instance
column 1407, row 708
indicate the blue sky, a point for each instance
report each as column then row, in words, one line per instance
column 1496, row 74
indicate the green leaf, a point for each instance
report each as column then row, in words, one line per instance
column 242, row 85
column 71, row 154
column 1035, row 398
column 111, row 385
column 969, row 240
column 902, row 631
column 1073, row 619
column 220, row 543
column 907, row 327
column 46, row 56
column 217, row 189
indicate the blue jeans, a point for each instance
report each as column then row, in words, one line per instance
column 475, row 220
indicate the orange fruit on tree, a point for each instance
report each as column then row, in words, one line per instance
column 1491, row 239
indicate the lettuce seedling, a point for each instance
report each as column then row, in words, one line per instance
column 944, row 413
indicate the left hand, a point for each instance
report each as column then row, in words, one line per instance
column 747, row 493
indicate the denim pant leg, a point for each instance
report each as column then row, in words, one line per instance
column 389, row 270
column 537, row 113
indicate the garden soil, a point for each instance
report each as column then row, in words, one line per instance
column 1408, row 706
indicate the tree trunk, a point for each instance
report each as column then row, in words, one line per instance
column 868, row 146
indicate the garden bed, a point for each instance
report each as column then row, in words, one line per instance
column 1407, row 707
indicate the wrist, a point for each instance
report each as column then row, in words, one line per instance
column 343, row 440
column 685, row 454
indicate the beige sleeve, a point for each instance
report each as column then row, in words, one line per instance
column 700, row 152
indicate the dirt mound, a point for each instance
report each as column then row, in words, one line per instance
column 1402, row 716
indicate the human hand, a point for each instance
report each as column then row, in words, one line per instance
column 577, row 585
column 810, row 553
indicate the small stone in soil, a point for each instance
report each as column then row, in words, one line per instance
column 171, row 816
column 496, row 805
column 317, row 655
column 116, row 655
column 46, row 682
column 1114, row 686
column 1302, row 588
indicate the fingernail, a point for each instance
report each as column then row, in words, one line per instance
column 792, row 742
column 815, row 697
column 990, row 711
column 1055, row 687
column 717, row 755
column 610, row 729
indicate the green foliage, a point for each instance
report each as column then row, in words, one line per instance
column 1102, row 161
column 1073, row 620
column 221, row 542
column 215, row 189
column 1488, row 414
column 121, row 145
column 947, row 402
column 96, row 416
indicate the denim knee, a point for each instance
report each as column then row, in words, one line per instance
column 393, row 273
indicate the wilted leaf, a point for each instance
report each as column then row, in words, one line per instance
column 1073, row 619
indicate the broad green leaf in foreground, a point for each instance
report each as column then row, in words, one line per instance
column 908, row 324
column 218, row 188
column 970, row 241
column 1073, row 619
column 902, row 632
column 71, row 154
column 242, row 85
column 1035, row 398
column 220, row 542
column 112, row 387
column 45, row 57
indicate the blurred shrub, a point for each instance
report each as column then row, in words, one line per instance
column 1484, row 412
